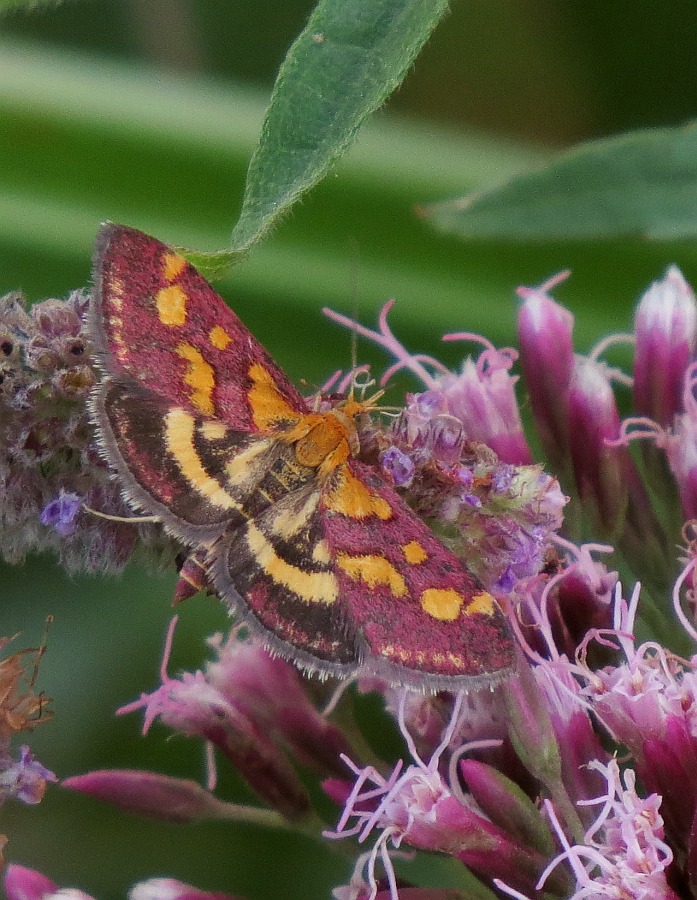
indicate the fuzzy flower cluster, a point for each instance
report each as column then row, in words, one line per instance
column 576, row 778
column 51, row 473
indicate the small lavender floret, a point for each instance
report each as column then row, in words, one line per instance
column 24, row 779
column 398, row 465
column 61, row 513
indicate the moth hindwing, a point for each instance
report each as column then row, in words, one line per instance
column 300, row 539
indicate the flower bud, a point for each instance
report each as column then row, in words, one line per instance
column 26, row 884
column 507, row 806
column 531, row 729
column 179, row 800
column 599, row 469
column 171, row 889
column 269, row 691
column 665, row 326
column 547, row 359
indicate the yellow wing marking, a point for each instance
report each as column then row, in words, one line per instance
column 115, row 293
column 421, row 657
column 414, row 553
column 199, row 376
column 180, row 428
column 267, row 405
column 375, row 571
column 219, row 337
column 442, row 603
column 172, row 265
column 321, row 552
column 243, row 467
column 289, row 522
column 312, row 587
column 213, row 429
column 114, row 300
column 171, row 305
column 483, row 603
column 350, row 497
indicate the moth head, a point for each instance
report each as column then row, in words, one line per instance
column 350, row 410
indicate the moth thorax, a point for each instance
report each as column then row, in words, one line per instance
column 331, row 440
column 345, row 418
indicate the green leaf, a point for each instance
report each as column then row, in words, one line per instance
column 642, row 184
column 349, row 58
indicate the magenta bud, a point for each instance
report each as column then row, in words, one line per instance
column 178, row 800
column 261, row 763
column 337, row 790
column 507, row 806
column 26, row 884
column 530, row 728
column 270, row 693
column 547, row 358
column 599, row 469
column 582, row 600
column 490, row 853
column 669, row 768
column 171, row 889
column 665, row 327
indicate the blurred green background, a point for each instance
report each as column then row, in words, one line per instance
column 146, row 112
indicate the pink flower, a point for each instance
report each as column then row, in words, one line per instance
column 196, row 707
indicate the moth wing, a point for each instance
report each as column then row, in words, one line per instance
column 197, row 474
column 157, row 320
column 276, row 572
column 422, row 617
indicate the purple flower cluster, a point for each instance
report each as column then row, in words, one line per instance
column 50, row 468
column 577, row 778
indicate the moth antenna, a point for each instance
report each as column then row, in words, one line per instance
column 337, row 695
column 132, row 520
column 372, row 401
column 355, row 258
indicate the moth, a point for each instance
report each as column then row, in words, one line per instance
column 308, row 545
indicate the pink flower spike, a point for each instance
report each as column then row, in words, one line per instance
column 547, row 358
column 171, row 799
column 196, row 706
column 666, row 334
column 271, row 693
column 26, row 884
column 171, row 889
column 600, row 470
